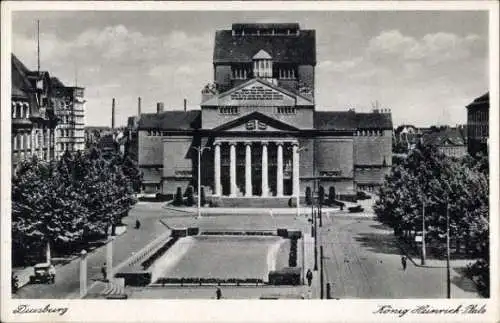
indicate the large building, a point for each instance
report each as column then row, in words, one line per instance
column 47, row 117
column 258, row 126
column 69, row 108
column 478, row 124
column 33, row 117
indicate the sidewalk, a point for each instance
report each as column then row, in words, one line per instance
column 23, row 274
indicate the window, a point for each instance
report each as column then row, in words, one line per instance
column 239, row 73
column 287, row 73
column 286, row 110
column 229, row 110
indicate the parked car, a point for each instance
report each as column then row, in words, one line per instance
column 44, row 273
column 360, row 195
column 355, row 209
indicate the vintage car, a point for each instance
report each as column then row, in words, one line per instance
column 44, row 273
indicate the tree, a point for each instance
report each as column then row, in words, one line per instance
column 308, row 196
column 71, row 201
column 203, row 198
column 178, row 200
column 331, row 194
column 321, row 195
column 189, row 196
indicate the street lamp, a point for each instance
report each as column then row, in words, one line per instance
column 299, row 149
column 200, row 151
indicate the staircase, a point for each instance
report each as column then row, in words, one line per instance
column 254, row 202
column 115, row 289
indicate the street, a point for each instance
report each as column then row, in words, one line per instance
column 363, row 260
column 67, row 279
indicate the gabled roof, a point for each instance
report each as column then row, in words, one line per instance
column 446, row 137
column 350, row 120
column 21, row 86
column 299, row 49
column 299, row 100
column 256, row 116
column 171, row 120
column 262, row 54
column 56, row 82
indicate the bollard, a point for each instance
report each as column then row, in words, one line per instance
column 83, row 274
column 328, row 291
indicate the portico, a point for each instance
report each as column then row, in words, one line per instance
column 256, row 167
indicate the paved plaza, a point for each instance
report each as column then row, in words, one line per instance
column 361, row 259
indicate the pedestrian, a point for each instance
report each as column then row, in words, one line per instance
column 403, row 262
column 137, row 224
column 309, row 277
column 218, row 293
column 103, row 271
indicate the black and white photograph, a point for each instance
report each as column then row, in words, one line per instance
column 159, row 157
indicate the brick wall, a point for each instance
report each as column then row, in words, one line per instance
column 334, row 154
column 303, row 119
column 150, row 149
column 371, row 150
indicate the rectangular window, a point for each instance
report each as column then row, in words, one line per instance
column 229, row 110
column 286, row 110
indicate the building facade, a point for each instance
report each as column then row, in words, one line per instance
column 33, row 117
column 69, row 106
column 478, row 125
column 258, row 130
column 47, row 117
column 450, row 141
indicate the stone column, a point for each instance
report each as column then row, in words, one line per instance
column 265, row 185
column 248, row 168
column 295, row 170
column 217, row 184
column 232, row 168
column 279, row 177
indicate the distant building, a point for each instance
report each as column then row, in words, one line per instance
column 69, row 108
column 452, row 142
column 478, row 124
column 33, row 117
column 258, row 119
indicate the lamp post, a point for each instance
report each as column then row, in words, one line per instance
column 423, row 234
column 299, row 149
column 448, row 281
column 200, row 151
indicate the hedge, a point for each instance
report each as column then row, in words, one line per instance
column 158, row 253
column 292, row 258
column 285, row 276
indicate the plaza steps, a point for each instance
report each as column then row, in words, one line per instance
column 253, row 202
column 114, row 290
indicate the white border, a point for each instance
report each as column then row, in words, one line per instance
column 244, row 311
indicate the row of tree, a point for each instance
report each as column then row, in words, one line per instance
column 67, row 203
column 429, row 182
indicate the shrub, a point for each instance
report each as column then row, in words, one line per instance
column 193, row 231
column 203, row 198
column 282, row 233
column 331, row 194
column 308, row 196
column 285, row 276
column 178, row 197
column 292, row 259
column 189, row 196
column 321, row 195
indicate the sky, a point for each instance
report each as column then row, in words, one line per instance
column 425, row 66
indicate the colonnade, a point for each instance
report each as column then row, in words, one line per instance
column 233, row 144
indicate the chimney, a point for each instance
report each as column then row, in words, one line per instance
column 185, row 105
column 113, row 114
column 139, row 106
column 159, row 107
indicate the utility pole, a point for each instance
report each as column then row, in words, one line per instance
column 200, row 151
column 321, row 276
column 448, row 281
column 423, row 233
column 38, row 45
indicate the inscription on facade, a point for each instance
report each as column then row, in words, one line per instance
column 257, row 93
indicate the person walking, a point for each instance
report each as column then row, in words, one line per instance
column 403, row 262
column 309, row 277
column 137, row 224
column 218, row 293
column 103, row 271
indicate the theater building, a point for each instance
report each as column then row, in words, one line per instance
column 259, row 130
